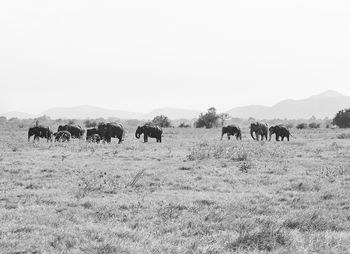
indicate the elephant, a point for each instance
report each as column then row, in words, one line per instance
column 96, row 138
column 75, row 130
column 149, row 130
column 260, row 129
column 111, row 130
column 62, row 136
column 231, row 130
column 279, row 131
column 40, row 132
column 91, row 132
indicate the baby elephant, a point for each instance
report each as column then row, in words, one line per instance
column 231, row 130
column 96, row 138
column 279, row 131
column 62, row 136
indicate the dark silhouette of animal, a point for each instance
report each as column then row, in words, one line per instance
column 231, row 130
column 279, row 131
column 94, row 138
column 75, row 130
column 259, row 129
column 39, row 132
column 62, row 136
column 111, row 130
column 149, row 130
column 92, row 131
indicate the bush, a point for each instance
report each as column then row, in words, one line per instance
column 260, row 235
column 183, row 125
column 314, row 125
column 162, row 121
column 342, row 119
column 301, row 126
column 208, row 120
column 343, row 136
column 90, row 123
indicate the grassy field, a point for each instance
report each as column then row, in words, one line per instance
column 190, row 194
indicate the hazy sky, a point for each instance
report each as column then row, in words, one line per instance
column 140, row 55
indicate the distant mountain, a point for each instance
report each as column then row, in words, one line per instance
column 87, row 111
column 322, row 105
column 326, row 104
column 20, row 115
column 174, row 113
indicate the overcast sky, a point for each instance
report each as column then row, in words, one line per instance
column 140, row 55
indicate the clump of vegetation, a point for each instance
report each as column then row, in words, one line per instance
column 312, row 221
column 97, row 182
column 207, row 120
column 343, row 136
column 199, row 152
column 210, row 119
column 342, row 118
column 162, row 121
column 301, row 126
column 204, row 151
column 184, row 125
column 314, row 125
column 259, row 235
column 244, row 166
column 90, row 123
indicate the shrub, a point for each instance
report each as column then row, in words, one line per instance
column 89, row 123
column 183, row 125
column 301, row 126
column 261, row 235
column 162, row 121
column 343, row 136
column 314, row 125
column 342, row 119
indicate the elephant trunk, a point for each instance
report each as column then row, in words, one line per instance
column 137, row 134
column 270, row 135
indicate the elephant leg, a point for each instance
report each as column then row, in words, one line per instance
column 145, row 139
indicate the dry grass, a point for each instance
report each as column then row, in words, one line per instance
column 190, row 194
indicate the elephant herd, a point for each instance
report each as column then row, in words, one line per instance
column 257, row 130
column 104, row 132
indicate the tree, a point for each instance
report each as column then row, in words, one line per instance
column 162, row 121
column 342, row 118
column 223, row 117
column 208, row 120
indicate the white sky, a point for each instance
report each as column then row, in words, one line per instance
column 140, row 55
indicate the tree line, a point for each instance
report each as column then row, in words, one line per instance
column 209, row 119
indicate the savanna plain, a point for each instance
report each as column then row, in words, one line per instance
column 192, row 193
